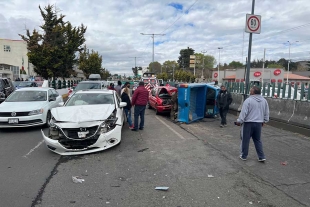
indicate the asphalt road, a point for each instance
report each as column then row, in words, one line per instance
column 198, row 162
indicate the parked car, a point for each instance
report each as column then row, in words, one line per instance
column 84, row 85
column 160, row 98
column 24, row 84
column 28, row 107
column 6, row 88
column 79, row 128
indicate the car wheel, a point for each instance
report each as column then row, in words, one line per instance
column 149, row 105
column 48, row 119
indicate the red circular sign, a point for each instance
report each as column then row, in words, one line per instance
column 215, row 75
column 248, row 23
column 257, row 74
column 277, row 72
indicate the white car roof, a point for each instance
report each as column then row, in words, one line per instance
column 34, row 89
column 95, row 91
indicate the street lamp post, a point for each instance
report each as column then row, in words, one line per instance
column 153, row 45
column 218, row 67
column 289, row 60
column 203, row 62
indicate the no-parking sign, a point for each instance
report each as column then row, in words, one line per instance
column 253, row 23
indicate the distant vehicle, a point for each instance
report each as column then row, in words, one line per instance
column 84, row 85
column 6, row 88
column 24, row 84
column 95, row 77
column 28, row 107
column 78, row 128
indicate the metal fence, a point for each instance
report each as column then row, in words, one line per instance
column 274, row 90
column 62, row 84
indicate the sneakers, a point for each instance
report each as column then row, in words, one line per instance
column 135, row 130
column 221, row 126
column 132, row 126
column 225, row 125
column 261, row 159
column 141, row 128
column 244, row 159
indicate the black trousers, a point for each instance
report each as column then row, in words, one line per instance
column 223, row 113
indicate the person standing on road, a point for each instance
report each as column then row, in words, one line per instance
column 253, row 115
column 126, row 85
column 118, row 88
column 223, row 101
column 139, row 101
column 125, row 98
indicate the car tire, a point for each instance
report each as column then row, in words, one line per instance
column 48, row 118
column 149, row 105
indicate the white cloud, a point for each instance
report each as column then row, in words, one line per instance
column 114, row 27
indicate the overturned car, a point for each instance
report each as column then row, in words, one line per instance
column 89, row 121
column 160, row 99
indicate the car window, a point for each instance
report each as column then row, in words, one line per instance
column 27, row 96
column 50, row 94
column 83, row 86
column 56, row 94
column 118, row 99
column 90, row 99
column 1, row 83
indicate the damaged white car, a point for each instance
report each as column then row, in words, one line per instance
column 89, row 121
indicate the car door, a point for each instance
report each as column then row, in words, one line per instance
column 51, row 104
column 58, row 97
column 152, row 98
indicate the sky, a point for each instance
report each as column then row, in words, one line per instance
column 114, row 28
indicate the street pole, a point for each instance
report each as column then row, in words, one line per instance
column 218, row 67
column 173, row 73
column 288, row 62
column 153, row 36
column 203, row 62
column 247, row 81
column 263, row 67
column 195, row 66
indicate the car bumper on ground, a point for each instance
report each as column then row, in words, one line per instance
column 163, row 109
column 104, row 141
column 23, row 121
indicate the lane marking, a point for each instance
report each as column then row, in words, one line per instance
column 38, row 145
column 179, row 135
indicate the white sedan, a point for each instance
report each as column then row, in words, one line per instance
column 28, row 107
column 90, row 121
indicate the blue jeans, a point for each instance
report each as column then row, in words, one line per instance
column 128, row 115
column 139, row 111
column 252, row 129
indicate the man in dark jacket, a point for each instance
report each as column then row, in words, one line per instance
column 118, row 88
column 125, row 98
column 223, row 101
column 139, row 100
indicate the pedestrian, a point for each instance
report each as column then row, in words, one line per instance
column 139, row 101
column 125, row 98
column 118, row 88
column 126, row 85
column 253, row 115
column 223, row 101
column 111, row 86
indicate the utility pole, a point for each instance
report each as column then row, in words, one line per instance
column 289, row 60
column 218, row 67
column 203, row 62
column 135, row 60
column 153, row 36
column 263, row 67
column 247, row 81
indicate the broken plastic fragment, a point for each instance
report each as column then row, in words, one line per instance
column 250, row 202
column 77, row 179
column 284, row 163
column 162, row 188
column 210, row 176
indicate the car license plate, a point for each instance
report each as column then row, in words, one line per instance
column 13, row 121
column 82, row 134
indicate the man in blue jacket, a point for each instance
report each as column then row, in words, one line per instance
column 253, row 115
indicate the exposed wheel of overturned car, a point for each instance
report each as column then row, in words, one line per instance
column 48, row 119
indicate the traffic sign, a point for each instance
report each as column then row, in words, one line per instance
column 253, row 23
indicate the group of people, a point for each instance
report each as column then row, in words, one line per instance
column 253, row 115
column 19, row 79
column 139, row 101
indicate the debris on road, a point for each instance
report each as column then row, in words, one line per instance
column 162, row 188
column 250, row 202
column 284, row 163
column 210, row 176
column 77, row 179
column 142, row 150
column 115, row 185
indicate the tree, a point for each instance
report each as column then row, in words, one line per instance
column 235, row 65
column 104, row 73
column 90, row 63
column 53, row 53
column 184, row 57
column 155, row 67
column 274, row 65
column 135, row 71
column 308, row 65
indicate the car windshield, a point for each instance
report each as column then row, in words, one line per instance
column 90, row 99
column 83, row 86
column 25, row 84
column 27, row 96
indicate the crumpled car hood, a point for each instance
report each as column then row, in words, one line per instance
column 84, row 113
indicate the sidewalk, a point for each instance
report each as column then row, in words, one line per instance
column 287, row 167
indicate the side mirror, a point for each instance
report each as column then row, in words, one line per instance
column 61, row 103
column 122, row 104
column 52, row 98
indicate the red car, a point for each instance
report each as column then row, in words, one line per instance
column 160, row 98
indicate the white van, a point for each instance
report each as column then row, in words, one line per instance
column 94, row 77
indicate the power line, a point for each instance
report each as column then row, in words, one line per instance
column 180, row 16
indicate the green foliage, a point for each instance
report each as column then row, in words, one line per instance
column 155, row 67
column 184, row 76
column 235, row 65
column 22, row 71
column 163, row 76
column 104, row 74
column 90, row 63
column 184, row 57
column 53, row 53
column 274, row 65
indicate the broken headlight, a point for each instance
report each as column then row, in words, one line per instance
column 109, row 123
column 53, row 130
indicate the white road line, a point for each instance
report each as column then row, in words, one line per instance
column 38, row 145
column 179, row 135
